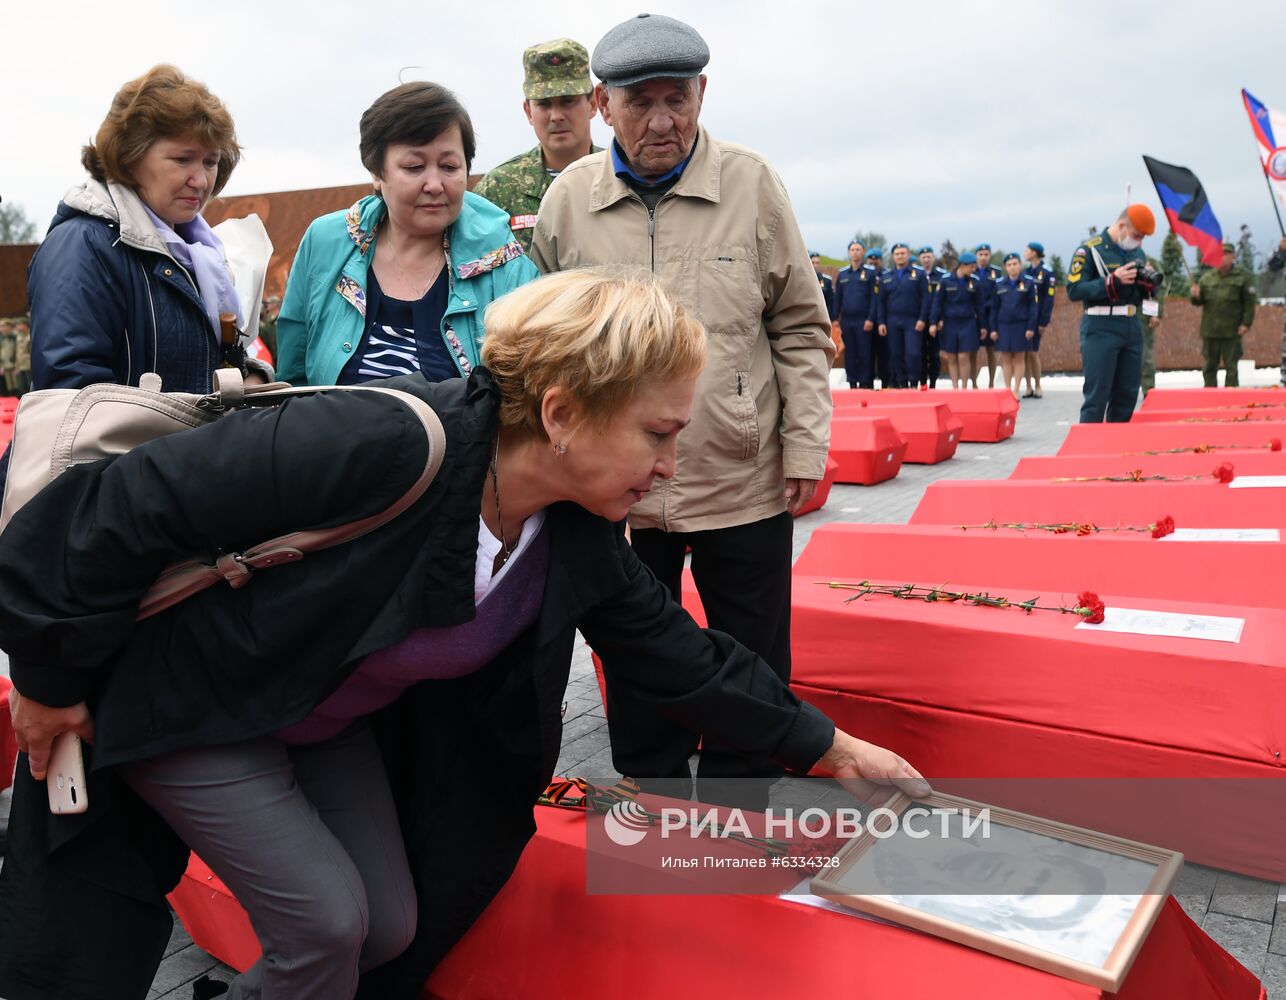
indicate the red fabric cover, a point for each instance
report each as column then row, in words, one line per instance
column 1201, row 416
column 988, row 415
column 823, row 491
column 867, row 450
column 1180, row 399
column 1231, row 572
column 975, row 750
column 1192, row 505
column 929, row 428
column 8, row 741
column 8, row 409
column 1113, row 439
column 1259, row 462
column 717, row 947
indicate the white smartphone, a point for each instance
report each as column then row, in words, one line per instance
column 68, row 790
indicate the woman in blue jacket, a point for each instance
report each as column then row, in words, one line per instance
column 130, row 278
column 399, row 282
column 1014, row 308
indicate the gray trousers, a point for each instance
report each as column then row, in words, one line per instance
column 307, row 839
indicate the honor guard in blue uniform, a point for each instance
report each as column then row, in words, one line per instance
column 824, row 279
column 904, row 315
column 1014, row 312
column 855, row 308
column 932, row 358
column 959, row 314
column 1034, row 257
column 988, row 274
column 1109, row 276
column 883, row 364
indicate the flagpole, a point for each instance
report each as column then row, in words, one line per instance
column 1273, row 197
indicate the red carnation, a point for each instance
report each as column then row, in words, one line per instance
column 1223, row 472
column 1164, row 526
column 1090, row 607
column 924, row 388
column 865, row 403
column 1275, row 444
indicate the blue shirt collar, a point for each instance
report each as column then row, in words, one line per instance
column 624, row 171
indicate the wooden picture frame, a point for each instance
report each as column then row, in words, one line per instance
column 1107, row 972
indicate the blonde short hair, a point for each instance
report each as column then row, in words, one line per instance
column 600, row 336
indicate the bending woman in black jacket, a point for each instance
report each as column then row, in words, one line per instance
column 319, row 737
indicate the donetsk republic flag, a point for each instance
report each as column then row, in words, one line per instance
column 1269, row 127
column 1187, row 208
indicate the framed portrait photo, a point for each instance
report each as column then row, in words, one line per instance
column 1052, row 896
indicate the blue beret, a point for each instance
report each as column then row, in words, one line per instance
column 1011, row 256
column 968, row 258
column 876, row 253
column 924, row 250
column 813, row 253
column 1038, row 247
column 901, row 246
column 983, row 246
column 647, row 47
column 856, row 243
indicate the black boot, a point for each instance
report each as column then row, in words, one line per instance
column 205, row 988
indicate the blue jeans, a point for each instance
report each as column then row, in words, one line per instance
column 1112, row 361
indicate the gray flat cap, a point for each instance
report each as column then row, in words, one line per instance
column 647, row 47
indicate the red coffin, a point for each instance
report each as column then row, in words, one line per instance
column 1206, row 504
column 1182, row 399
column 1241, row 573
column 868, row 450
column 988, row 415
column 1114, row 439
column 721, row 947
column 1051, row 699
column 823, row 491
column 8, row 409
column 8, row 741
column 931, row 431
column 1260, row 462
column 1199, row 416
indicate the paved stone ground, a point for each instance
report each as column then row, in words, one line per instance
column 1246, row 916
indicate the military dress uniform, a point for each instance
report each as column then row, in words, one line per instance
column 1228, row 303
column 1111, row 341
column 932, row 363
column 856, row 302
column 959, row 314
column 987, row 278
column 1043, row 278
column 903, row 302
column 1015, row 309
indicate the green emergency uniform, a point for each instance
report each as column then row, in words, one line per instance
column 1111, row 341
column 1228, row 303
column 517, row 186
column 22, row 360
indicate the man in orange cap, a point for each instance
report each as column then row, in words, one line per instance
column 1109, row 276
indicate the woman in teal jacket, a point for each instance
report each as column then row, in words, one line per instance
column 399, row 282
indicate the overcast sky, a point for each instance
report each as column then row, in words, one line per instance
column 924, row 121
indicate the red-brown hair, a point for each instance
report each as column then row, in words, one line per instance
column 163, row 103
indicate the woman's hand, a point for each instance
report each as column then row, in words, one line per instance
column 36, row 725
column 860, row 766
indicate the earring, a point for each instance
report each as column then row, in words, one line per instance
column 560, row 450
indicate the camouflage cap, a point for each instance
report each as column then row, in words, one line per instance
column 555, row 69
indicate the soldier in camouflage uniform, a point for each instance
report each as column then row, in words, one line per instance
column 8, row 358
column 22, row 356
column 559, row 104
column 1227, row 297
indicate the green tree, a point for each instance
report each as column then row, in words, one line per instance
column 1060, row 273
column 1172, row 262
column 1246, row 249
column 15, row 227
column 949, row 256
column 870, row 239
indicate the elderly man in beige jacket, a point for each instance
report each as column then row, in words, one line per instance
column 713, row 222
